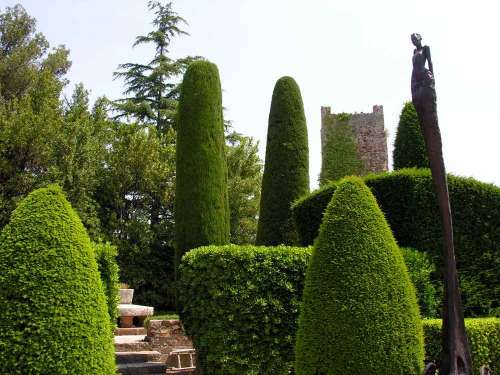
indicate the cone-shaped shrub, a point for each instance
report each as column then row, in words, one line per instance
column 201, row 200
column 409, row 145
column 359, row 312
column 286, row 169
column 54, row 317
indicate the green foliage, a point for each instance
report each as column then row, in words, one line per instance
column 201, row 195
column 42, row 141
column 409, row 145
column 105, row 254
column 244, row 181
column 286, row 169
column 135, row 196
column 359, row 313
column 54, row 318
column 484, row 341
column 340, row 154
column 409, row 203
column 24, row 56
column 241, row 305
column 151, row 88
column 421, row 270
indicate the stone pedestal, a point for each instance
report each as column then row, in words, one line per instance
column 129, row 313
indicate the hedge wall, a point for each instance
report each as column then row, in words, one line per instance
column 241, row 305
column 105, row 254
column 408, row 201
column 484, row 340
column 54, row 318
column 359, row 313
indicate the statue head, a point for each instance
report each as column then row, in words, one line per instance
column 416, row 40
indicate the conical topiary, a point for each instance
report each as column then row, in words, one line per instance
column 201, row 198
column 359, row 312
column 286, row 169
column 409, row 145
column 54, row 317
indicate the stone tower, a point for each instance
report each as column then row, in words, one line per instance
column 369, row 134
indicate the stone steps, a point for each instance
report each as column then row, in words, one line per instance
column 137, row 357
column 153, row 368
column 131, row 343
column 130, row 331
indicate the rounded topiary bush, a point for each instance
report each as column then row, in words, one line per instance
column 359, row 312
column 201, row 197
column 286, row 169
column 54, row 317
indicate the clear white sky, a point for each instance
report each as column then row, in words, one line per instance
column 347, row 54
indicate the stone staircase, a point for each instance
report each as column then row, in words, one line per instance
column 141, row 362
column 153, row 351
column 134, row 355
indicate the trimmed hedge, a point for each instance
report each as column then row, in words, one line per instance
column 409, row 203
column 54, row 318
column 409, row 145
column 201, row 197
column 359, row 313
column 484, row 341
column 241, row 304
column 105, row 254
column 286, row 169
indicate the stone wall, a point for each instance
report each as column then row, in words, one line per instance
column 370, row 136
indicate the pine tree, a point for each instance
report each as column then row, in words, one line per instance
column 152, row 90
column 286, row 168
column 359, row 313
column 409, row 146
column 201, row 196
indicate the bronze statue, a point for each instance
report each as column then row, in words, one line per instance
column 456, row 359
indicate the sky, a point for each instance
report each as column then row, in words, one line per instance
column 346, row 54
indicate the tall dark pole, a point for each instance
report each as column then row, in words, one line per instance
column 456, row 358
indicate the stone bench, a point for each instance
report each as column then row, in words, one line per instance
column 128, row 312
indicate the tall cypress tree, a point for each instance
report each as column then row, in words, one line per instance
column 409, row 146
column 201, row 198
column 286, row 169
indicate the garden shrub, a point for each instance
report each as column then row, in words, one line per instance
column 429, row 292
column 54, row 318
column 484, row 341
column 201, row 197
column 408, row 201
column 241, row 304
column 409, row 145
column 105, row 254
column 359, row 313
column 286, row 168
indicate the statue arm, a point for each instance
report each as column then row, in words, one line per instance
column 427, row 51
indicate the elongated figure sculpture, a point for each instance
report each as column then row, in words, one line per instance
column 456, row 358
